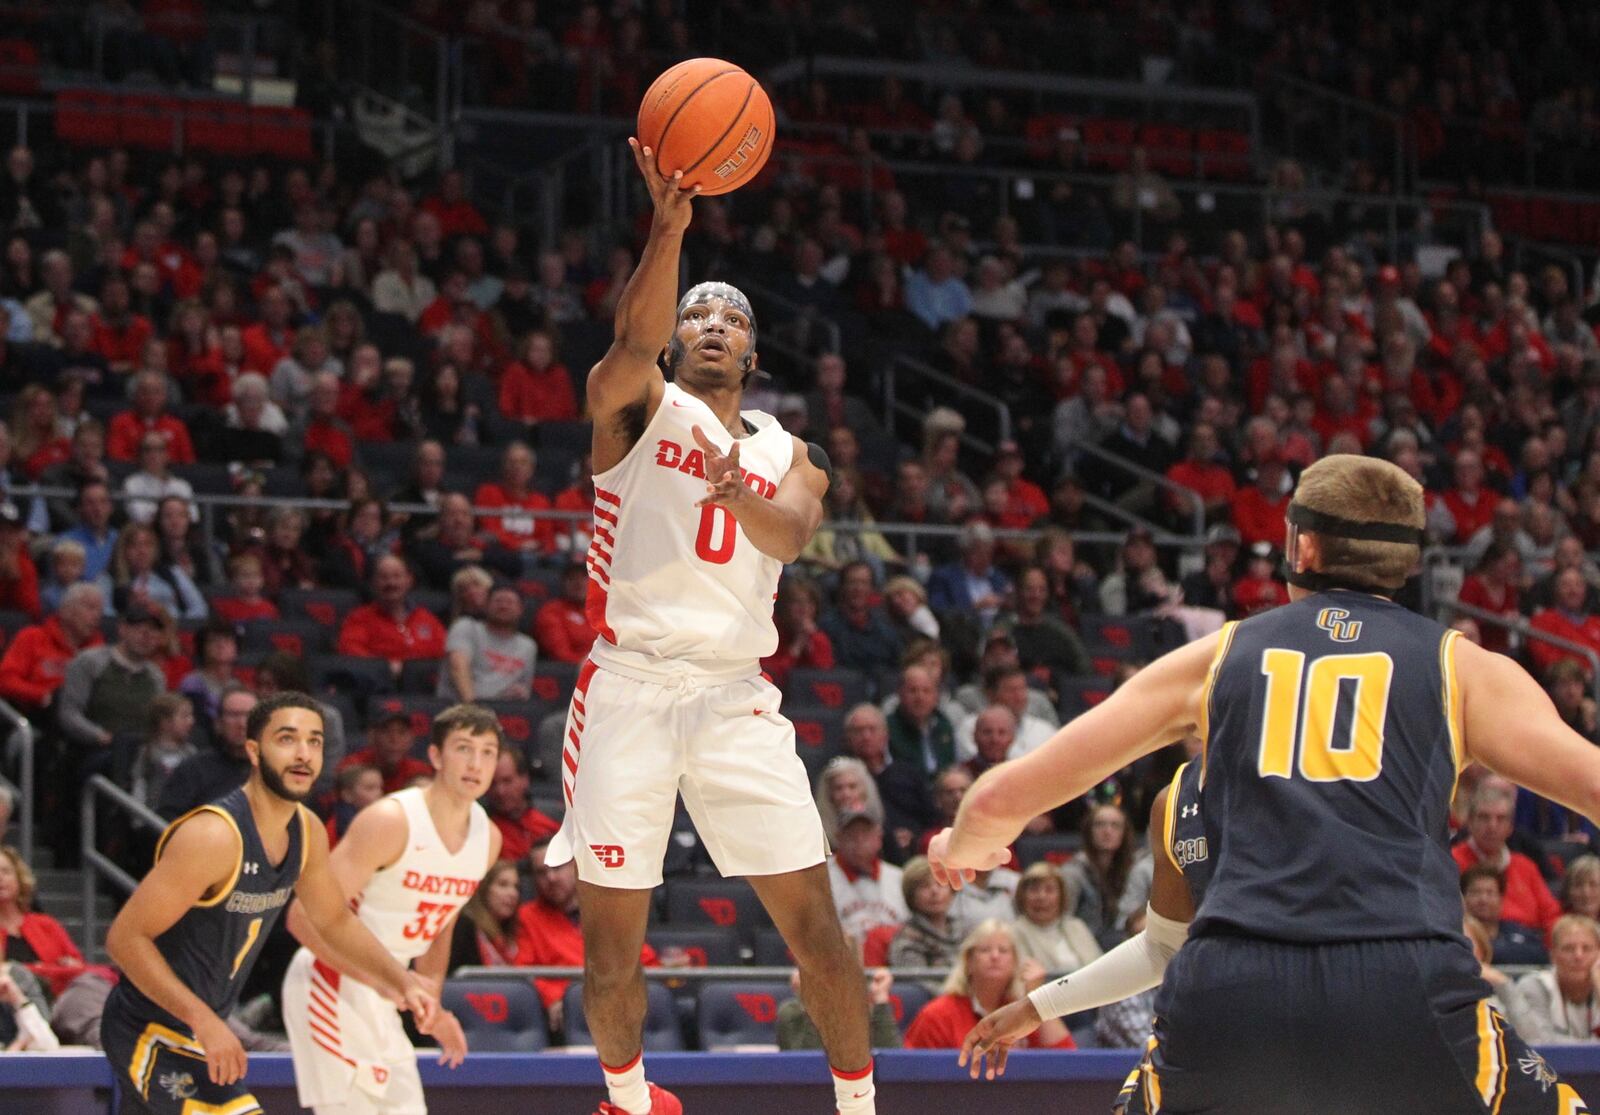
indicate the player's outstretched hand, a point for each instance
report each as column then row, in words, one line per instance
column 724, row 483
column 954, row 870
column 667, row 192
column 225, row 1059
column 995, row 1034
column 446, row 1030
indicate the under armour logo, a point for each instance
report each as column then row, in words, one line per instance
column 250, row 867
column 1189, row 811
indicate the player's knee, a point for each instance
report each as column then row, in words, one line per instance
column 603, row 974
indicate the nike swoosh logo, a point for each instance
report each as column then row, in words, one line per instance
column 685, row 406
column 859, row 1096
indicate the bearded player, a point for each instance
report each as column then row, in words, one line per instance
column 1324, row 971
column 188, row 936
column 698, row 505
column 411, row 861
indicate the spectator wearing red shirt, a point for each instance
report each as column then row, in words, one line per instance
column 119, row 334
column 245, row 601
column 148, row 415
column 987, row 975
column 577, row 496
column 324, row 431
column 1567, row 619
column 390, row 627
column 35, row 664
column 457, row 216
column 1259, row 509
column 514, row 490
column 1025, row 502
column 1494, row 586
column 800, row 641
column 1460, row 511
column 1528, row 900
column 1260, row 590
column 520, row 824
column 368, row 404
column 537, row 388
column 179, row 272
column 23, row 930
column 271, row 339
column 561, row 627
column 389, row 743
column 1339, row 413
column 547, row 928
column 19, row 579
column 1201, row 473
column 902, row 242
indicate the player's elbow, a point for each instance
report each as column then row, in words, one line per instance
column 294, row 920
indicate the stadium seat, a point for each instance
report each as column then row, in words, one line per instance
column 498, row 1016
column 553, row 681
column 1079, row 694
column 326, row 606
column 705, row 946
column 833, row 689
column 359, row 678
column 420, row 676
column 730, row 1014
column 769, row 949
column 569, row 438
column 544, row 756
column 730, row 903
column 906, row 999
column 520, row 721
column 420, row 709
column 1053, row 847
column 662, row 1031
column 296, row 635
column 816, row 726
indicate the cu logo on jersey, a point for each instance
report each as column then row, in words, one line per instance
column 1339, row 626
column 610, row 856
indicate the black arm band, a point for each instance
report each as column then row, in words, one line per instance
column 819, row 457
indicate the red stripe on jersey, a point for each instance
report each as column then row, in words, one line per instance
column 601, row 553
column 604, row 577
column 609, row 497
column 334, row 1051
column 330, row 976
column 604, row 535
column 572, row 764
column 317, row 1014
column 602, row 513
column 327, row 1002
column 572, row 734
column 594, row 606
column 322, row 1032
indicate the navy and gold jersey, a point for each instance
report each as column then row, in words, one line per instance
column 1332, row 742
column 212, row 947
column 1187, row 845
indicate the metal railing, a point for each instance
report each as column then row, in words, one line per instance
column 96, row 863
column 1519, row 625
column 20, row 753
column 946, row 388
column 1133, row 468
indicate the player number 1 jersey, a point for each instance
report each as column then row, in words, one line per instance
column 672, row 580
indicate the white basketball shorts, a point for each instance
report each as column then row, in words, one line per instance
column 351, row 1054
column 638, row 734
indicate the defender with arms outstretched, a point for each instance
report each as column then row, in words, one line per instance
column 1325, row 971
column 698, row 505
column 188, row 935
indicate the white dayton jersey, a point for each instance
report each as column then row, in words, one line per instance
column 351, row 1053
column 671, row 580
column 407, row 903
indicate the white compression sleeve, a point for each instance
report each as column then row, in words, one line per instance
column 31, row 1023
column 1135, row 965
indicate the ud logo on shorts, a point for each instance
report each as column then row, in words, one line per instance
column 178, row 1085
column 610, row 856
column 1339, row 626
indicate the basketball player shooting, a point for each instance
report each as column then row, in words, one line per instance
column 698, row 505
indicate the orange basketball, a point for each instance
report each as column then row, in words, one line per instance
column 709, row 119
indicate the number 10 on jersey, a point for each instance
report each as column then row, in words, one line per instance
column 1301, row 710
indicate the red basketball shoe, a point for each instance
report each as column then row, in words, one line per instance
column 662, row 1102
